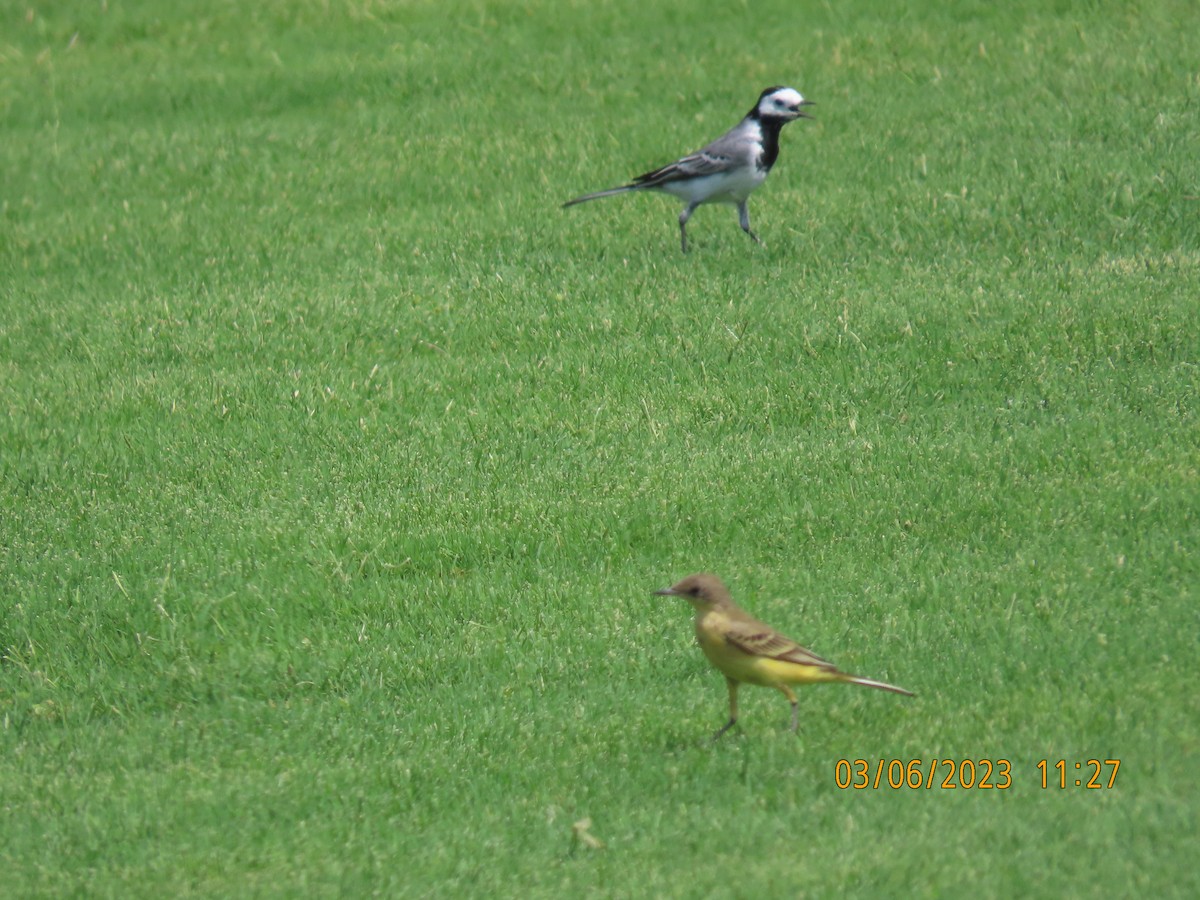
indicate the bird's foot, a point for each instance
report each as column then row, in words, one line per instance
column 724, row 728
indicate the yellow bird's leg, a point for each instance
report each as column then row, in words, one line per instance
column 733, row 688
column 791, row 695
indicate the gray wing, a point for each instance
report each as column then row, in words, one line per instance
column 729, row 151
column 702, row 162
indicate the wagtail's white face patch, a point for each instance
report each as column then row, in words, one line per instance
column 784, row 103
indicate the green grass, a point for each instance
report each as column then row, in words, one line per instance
column 338, row 463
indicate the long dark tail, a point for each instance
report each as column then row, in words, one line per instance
column 596, row 196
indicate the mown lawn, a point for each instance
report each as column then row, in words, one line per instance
column 337, row 463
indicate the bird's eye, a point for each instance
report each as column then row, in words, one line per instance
column 695, row 591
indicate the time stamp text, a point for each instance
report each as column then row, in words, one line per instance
column 972, row 774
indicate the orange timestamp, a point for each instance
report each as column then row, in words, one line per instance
column 917, row 774
column 1067, row 771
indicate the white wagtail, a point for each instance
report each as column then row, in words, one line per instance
column 728, row 169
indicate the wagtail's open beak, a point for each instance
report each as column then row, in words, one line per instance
column 800, row 109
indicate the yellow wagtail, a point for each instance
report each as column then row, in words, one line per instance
column 749, row 651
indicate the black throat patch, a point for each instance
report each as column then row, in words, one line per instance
column 770, row 140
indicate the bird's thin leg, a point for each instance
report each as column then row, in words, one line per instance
column 744, row 220
column 683, row 217
column 791, row 695
column 733, row 689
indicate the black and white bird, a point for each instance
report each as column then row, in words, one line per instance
column 728, row 169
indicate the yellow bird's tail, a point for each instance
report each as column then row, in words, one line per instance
column 868, row 682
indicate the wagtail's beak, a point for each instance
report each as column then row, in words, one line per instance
column 665, row 592
column 800, row 109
